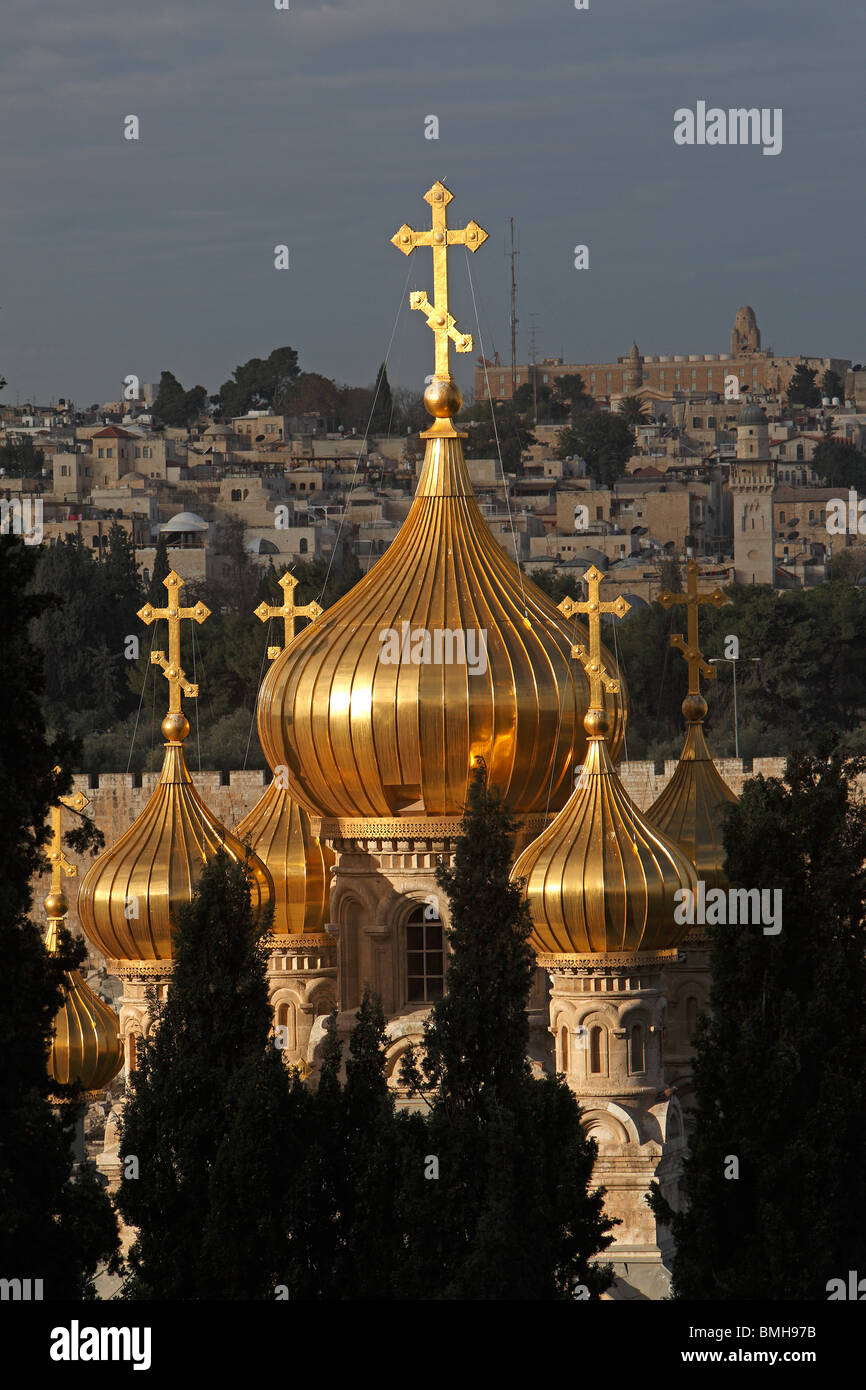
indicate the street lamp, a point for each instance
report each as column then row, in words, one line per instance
column 716, row 661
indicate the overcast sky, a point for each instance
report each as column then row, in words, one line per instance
column 306, row 127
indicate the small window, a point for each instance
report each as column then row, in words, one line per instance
column 236, row 494
column 100, row 453
column 425, row 958
column 131, row 1052
column 563, row 1049
column 303, row 545
column 691, row 1016
column 597, row 1050
column 781, row 518
column 638, row 1049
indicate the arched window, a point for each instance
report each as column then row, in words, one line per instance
column 638, row 1048
column 130, row 1053
column 303, row 546
column 285, row 1018
column 425, row 956
column 563, row 1048
column 597, row 1050
column 691, row 1016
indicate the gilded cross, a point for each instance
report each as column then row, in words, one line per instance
column 440, row 237
column 174, row 673
column 591, row 660
column 288, row 611
column 56, row 857
column 690, row 650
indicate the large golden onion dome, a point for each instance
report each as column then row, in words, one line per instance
column 279, row 832
column 601, row 879
column 366, row 719
column 692, row 807
column 86, row 1049
column 130, row 896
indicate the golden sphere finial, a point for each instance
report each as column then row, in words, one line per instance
column 175, row 728
column 596, row 722
column 443, row 398
column 694, row 709
column 56, row 905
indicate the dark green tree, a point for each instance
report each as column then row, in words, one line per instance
column 605, row 441
column 570, row 388
column 802, row 389
column 382, row 418
column 21, row 458
column 634, row 411
column 161, row 566
column 839, row 463
column 209, row 1071
column 259, row 383
column 779, row 1078
column 510, row 1214
column 53, row 1225
column 176, row 407
column 509, row 435
column 832, row 385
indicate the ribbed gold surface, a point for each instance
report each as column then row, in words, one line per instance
column 362, row 738
column 601, row 878
column 691, row 809
column 154, row 868
column 86, row 1049
column 279, row 832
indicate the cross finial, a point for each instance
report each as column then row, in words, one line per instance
column 174, row 673
column 288, row 611
column 591, row 660
column 690, row 650
column 56, row 905
column 440, row 237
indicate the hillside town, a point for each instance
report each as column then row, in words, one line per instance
column 719, row 466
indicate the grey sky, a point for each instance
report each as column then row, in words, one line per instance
column 307, row 127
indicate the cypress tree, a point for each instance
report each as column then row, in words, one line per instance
column 206, row 1076
column 54, row 1225
column 496, row 1200
column 775, row 1169
column 161, row 568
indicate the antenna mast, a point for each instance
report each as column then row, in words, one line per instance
column 512, row 254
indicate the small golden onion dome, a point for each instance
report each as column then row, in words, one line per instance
column 279, row 832
column 601, row 878
column 691, row 808
column 130, row 895
column 86, row 1049
column 441, row 653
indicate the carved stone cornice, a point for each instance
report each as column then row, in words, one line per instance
column 622, row 963
column 304, row 945
column 400, row 830
column 141, row 970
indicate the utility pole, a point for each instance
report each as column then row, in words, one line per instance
column 532, row 356
column 512, row 253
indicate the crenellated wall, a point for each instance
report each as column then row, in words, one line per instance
column 116, row 801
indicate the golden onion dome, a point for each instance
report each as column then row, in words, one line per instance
column 280, row 834
column 601, row 879
column 130, row 896
column 692, row 807
column 86, row 1049
column 442, row 653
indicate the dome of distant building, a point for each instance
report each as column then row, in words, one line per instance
column 752, row 414
column 185, row 521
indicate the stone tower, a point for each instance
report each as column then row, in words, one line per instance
column 746, row 335
column 632, row 376
column 752, row 480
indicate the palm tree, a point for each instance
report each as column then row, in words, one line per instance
column 634, row 411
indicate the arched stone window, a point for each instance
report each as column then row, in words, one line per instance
column 425, row 956
column 286, row 1018
column 303, row 545
column 131, row 1053
column 563, row 1048
column 638, row 1048
column 597, row 1050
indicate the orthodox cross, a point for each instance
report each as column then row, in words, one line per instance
column 690, row 650
column 440, row 237
column 288, row 611
column 591, row 660
column 56, row 857
column 174, row 673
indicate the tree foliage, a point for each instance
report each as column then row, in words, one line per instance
column 779, row 1078
column 605, row 441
